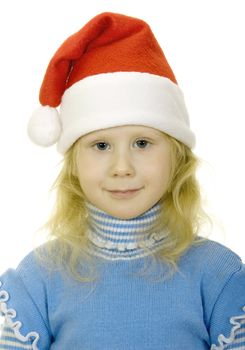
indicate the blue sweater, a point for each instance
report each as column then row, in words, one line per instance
column 201, row 307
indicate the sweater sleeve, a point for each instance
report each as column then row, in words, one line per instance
column 23, row 307
column 9, row 339
column 227, row 323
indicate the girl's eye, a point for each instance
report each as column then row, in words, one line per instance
column 142, row 143
column 101, row 146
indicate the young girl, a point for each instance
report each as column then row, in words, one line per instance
column 125, row 266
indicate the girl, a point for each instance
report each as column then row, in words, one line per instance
column 124, row 266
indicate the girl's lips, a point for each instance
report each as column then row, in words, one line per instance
column 134, row 189
column 124, row 194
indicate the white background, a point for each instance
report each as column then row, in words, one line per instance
column 204, row 44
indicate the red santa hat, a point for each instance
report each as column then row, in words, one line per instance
column 110, row 73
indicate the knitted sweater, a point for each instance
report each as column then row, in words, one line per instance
column 202, row 306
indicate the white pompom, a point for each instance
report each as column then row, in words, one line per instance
column 44, row 127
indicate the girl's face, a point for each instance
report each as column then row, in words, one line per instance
column 124, row 158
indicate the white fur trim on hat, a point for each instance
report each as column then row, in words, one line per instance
column 123, row 98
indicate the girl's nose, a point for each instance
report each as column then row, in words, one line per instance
column 122, row 164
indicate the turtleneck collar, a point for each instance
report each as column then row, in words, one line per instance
column 113, row 238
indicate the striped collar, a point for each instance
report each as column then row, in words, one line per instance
column 114, row 239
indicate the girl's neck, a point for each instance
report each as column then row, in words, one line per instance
column 113, row 238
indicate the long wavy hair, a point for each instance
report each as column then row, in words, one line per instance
column 182, row 214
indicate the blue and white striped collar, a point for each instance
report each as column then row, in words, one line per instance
column 114, row 239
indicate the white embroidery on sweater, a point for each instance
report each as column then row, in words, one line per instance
column 237, row 322
column 9, row 314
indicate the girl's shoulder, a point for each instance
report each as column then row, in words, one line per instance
column 34, row 263
column 211, row 251
column 211, row 261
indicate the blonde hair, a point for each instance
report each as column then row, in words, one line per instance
column 182, row 214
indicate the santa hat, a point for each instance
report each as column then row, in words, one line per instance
column 110, row 73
